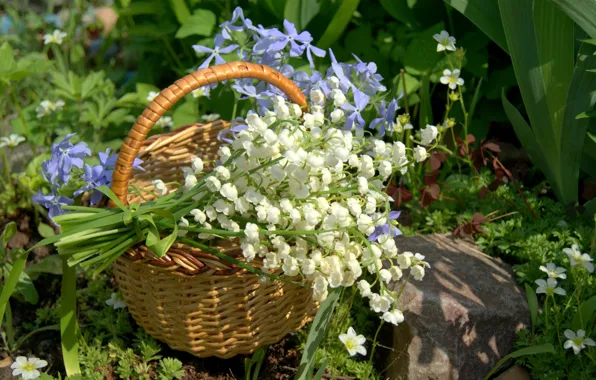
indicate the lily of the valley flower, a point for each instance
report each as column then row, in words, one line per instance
column 354, row 343
column 428, row 134
column 577, row 341
column 553, row 271
column 11, row 141
column 27, row 368
column 452, row 79
column 210, row 117
column 165, row 122
column 549, row 287
column 56, row 37
column 446, row 42
column 578, row 259
column 152, row 95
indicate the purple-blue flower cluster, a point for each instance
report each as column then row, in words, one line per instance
column 57, row 171
column 274, row 48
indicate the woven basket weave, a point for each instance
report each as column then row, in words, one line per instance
column 190, row 299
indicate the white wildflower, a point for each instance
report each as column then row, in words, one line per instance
column 577, row 259
column 56, row 37
column 549, row 287
column 577, row 341
column 452, row 79
column 11, row 141
column 445, row 41
column 116, row 301
column 354, row 343
column 553, row 271
column 27, row 368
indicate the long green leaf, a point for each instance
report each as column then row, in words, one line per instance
column 321, row 370
column 338, row 23
column 525, row 134
column 584, row 314
column 316, row 334
column 300, row 12
column 583, row 12
column 69, row 329
column 580, row 96
column 11, row 283
column 484, row 14
column 532, row 305
column 543, row 74
column 180, row 10
column 7, row 234
column 532, row 350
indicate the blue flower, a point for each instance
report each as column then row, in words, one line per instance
column 228, row 26
column 355, row 111
column 368, row 77
column 292, row 37
column 52, row 202
column 310, row 50
column 65, row 155
column 215, row 52
column 387, row 117
column 94, row 176
column 386, row 229
column 237, row 125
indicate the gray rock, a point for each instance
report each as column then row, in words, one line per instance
column 461, row 319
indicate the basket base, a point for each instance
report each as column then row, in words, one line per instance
column 210, row 315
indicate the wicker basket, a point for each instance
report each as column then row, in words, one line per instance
column 189, row 299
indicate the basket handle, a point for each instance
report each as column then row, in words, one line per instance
column 168, row 96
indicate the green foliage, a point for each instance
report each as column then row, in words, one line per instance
column 169, row 369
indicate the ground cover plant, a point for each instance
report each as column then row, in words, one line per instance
column 421, row 119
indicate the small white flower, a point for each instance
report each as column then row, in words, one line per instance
column 183, row 223
column 417, row 272
column 576, row 258
column 553, row 271
column 248, row 251
column 404, row 260
column 201, row 91
column 385, row 275
column 47, row 107
column 549, row 287
column 116, row 301
column 198, row 215
column 362, row 185
column 160, row 187
column 11, row 141
column 379, row 304
column 197, row 165
column 339, row 98
column 446, row 42
column 213, row 184
column 428, row 134
column 396, row 273
column 354, row 343
column 27, row 368
column 452, row 79
column 364, row 288
column 420, row 154
column 394, row 317
column 317, row 96
column 577, row 341
column 229, row 192
column 190, row 181
column 222, row 173
column 152, row 95
column 165, row 122
column 56, row 37
column 211, row 117
column 252, row 232
column 337, row 115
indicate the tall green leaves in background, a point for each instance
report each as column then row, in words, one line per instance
column 556, row 86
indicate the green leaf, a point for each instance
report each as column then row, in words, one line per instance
column 400, row 10
column 69, row 329
column 524, row 133
column 421, row 54
column 7, row 62
column 276, row 7
column 532, row 305
column 158, row 245
column 586, row 115
column 300, row 12
column 11, row 283
column 143, row 90
column 321, row 370
column 532, row 350
column 584, row 314
column 180, row 10
column 77, row 52
column 583, row 12
column 581, row 95
column 50, row 264
column 200, row 23
column 7, row 234
column 426, row 112
column 316, row 334
column 542, row 59
column 27, row 289
column 186, row 113
column 484, row 14
column 338, row 23
column 45, row 230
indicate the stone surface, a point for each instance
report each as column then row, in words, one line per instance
column 461, row 319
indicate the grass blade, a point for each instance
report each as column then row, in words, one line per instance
column 532, row 350
column 338, row 23
column 69, row 329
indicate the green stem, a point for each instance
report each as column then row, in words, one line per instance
column 372, row 351
column 9, row 327
column 173, row 53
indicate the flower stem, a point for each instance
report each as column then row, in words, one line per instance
column 372, row 351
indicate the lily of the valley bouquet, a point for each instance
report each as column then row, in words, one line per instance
column 302, row 192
